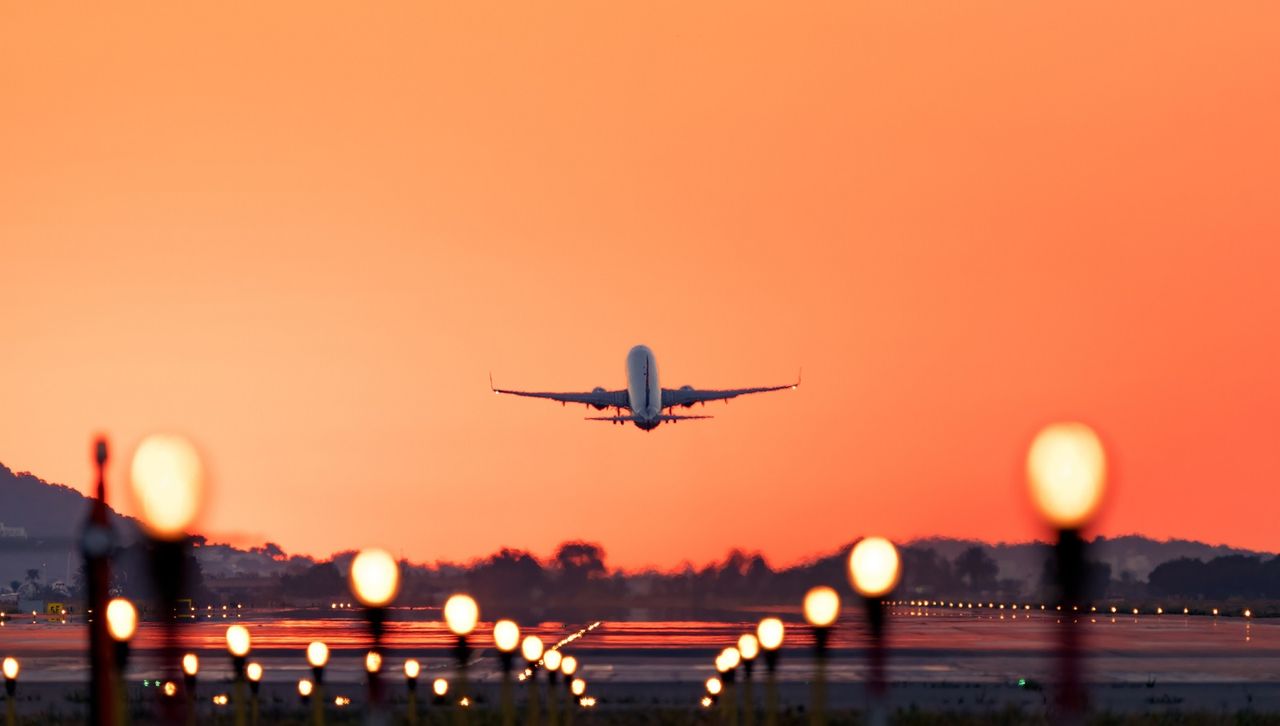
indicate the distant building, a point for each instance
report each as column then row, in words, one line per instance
column 12, row 532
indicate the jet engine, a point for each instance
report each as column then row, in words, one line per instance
column 598, row 406
column 687, row 388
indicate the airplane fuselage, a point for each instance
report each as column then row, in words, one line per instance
column 643, row 390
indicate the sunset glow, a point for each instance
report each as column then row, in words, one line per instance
column 303, row 235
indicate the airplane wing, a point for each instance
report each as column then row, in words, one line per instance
column 600, row 398
column 688, row 395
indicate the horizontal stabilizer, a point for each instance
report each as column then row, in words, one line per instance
column 623, row 419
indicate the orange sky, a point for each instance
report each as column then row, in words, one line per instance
column 304, row 233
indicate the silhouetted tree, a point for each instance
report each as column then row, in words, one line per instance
column 977, row 570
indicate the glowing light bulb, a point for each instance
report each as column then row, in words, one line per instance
column 439, row 686
column 11, row 669
column 167, row 479
column 238, row 640
column 506, row 635
column 122, row 620
column 531, row 648
column 732, row 658
column 1066, row 471
column 461, row 614
column 874, row 567
column 305, row 687
column 569, row 665
column 714, row 686
column 770, row 632
column 551, row 659
column 578, row 687
column 373, row 662
column 821, row 606
column 412, row 668
column 254, row 671
column 375, row 577
column 317, row 654
column 170, row 689
column 191, row 664
column 748, row 646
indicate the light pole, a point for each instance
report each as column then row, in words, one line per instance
column 874, row 570
column 253, row 672
column 569, row 666
column 190, row 669
column 749, row 648
column 375, row 580
column 304, row 691
column 551, row 663
column 317, row 658
column 770, row 633
column 238, row 644
column 727, row 663
column 531, row 649
column 821, row 609
column 461, row 614
column 411, row 670
column 506, row 638
column 10, row 667
column 1066, row 476
column 167, row 479
column 440, row 687
column 97, row 540
column 122, row 623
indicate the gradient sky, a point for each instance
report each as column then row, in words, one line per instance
column 304, row 234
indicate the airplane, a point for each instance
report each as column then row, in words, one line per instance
column 643, row 397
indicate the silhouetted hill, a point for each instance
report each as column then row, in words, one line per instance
column 1131, row 557
column 48, row 511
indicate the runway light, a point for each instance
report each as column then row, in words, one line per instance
column 191, row 665
column 874, row 567
column 577, row 686
column 568, row 665
column 748, row 646
column 770, row 632
column 714, row 686
column 506, row 636
column 732, row 658
column 122, row 620
column 317, row 654
column 461, row 614
column 1066, row 470
column 375, row 577
column 167, row 479
column 373, row 662
column 412, row 668
column 305, row 687
column 551, row 660
column 440, row 687
column 238, row 641
column 821, row 606
column 254, row 672
column 531, row 648
column 11, row 669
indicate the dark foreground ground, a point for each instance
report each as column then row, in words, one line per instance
column 620, row 704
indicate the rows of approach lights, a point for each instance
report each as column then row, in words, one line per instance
column 461, row 614
column 1246, row 613
column 874, row 569
column 1066, row 475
